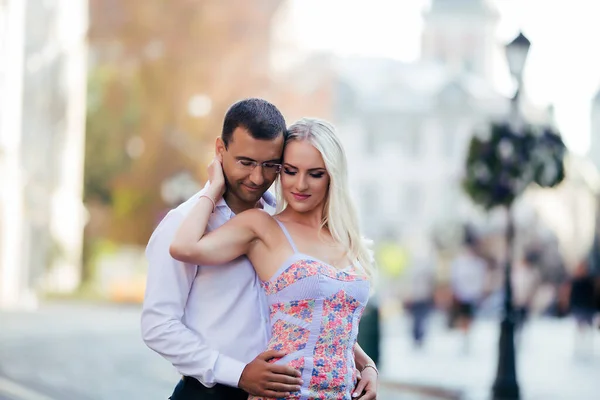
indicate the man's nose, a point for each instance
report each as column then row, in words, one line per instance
column 257, row 177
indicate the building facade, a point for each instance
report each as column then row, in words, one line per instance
column 594, row 153
column 407, row 125
column 42, row 131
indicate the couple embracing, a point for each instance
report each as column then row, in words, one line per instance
column 249, row 296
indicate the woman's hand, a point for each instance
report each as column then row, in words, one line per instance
column 216, row 178
column 366, row 388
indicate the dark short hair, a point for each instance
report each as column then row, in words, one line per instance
column 259, row 117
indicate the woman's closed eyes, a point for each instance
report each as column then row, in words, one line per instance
column 291, row 172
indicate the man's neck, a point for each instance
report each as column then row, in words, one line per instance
column 236, row 205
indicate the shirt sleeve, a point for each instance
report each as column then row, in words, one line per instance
column 167, row 289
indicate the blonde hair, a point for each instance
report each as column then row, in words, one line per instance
column 339, row 214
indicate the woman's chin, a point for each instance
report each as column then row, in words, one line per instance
column 300, row 207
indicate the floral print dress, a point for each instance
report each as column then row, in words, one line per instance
column 315, row 310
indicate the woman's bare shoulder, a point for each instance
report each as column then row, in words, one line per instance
column 262, row 224
column 256, row 217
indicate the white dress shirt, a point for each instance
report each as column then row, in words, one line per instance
column 208, row 321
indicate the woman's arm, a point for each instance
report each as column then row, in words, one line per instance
column 361, row 358
column 233, row 239
column 366, row 389
column 226, row 243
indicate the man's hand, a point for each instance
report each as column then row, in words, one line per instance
column 261, row 378
column 366, row 388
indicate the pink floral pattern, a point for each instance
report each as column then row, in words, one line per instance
column 288, row 337
column 330, row 370
column 304, row 268
column 325, row 357
column 301, row 309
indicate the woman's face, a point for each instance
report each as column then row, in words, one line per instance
column 304, row 179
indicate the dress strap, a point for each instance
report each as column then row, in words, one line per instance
column 287, row 235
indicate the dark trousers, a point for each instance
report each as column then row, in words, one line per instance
column 419, row 310
column 190, row 389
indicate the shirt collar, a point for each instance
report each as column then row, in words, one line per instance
column 269, row 199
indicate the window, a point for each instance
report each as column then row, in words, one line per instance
column 410, row 200
column 369, row 200
column 370, row 139
column 450, row 136
column 394, row 131
column 412, row 139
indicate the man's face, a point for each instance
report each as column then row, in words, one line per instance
column 245, row 181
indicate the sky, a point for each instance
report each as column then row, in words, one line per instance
column 563, row 67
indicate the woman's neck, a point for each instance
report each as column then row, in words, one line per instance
column 313, row 218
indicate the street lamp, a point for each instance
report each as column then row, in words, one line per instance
column 516, row 55
column 506, row 386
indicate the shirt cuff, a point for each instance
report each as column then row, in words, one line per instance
column 228, row 371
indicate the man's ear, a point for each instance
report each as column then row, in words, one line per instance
column 219, row 146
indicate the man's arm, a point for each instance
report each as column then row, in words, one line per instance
column 167, row 290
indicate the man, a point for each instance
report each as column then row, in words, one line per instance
column 211, row 322
column 468, row 274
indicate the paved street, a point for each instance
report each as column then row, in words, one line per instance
column 80, row 353
column 547, row 367
column 85, row 352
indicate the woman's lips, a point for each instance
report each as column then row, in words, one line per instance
column 300, row 197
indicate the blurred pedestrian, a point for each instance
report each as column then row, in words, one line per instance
column 582, row 308
column 525, row 281
column 420, row 299
column 468, row 278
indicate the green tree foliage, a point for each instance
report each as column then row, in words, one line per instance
column 113, row 112
column 503, row 163
column 148, row 58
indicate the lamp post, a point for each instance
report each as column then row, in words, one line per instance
column 506, row 386
column 516, row 55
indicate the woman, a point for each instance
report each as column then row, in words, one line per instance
column 314, row 265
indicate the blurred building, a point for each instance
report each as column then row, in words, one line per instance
column 42, row 120
column 594, row 152
column 302, row 81
column 567, row 213
column 407, row 125
column 406, row 128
